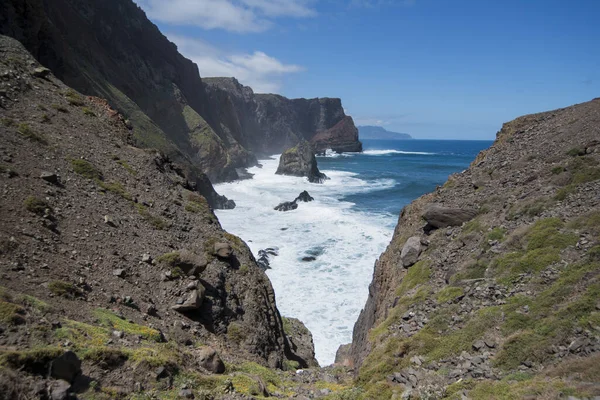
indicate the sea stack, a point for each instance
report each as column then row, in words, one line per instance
column 300, row 161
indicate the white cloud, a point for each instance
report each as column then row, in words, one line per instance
column 231, row 15
column 258, row 70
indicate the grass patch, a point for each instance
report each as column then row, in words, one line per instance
column 558, row 170
column 7, row 122
column 116, row 188
column 473, row 225
column 171, row 259
column 157, row 222
column 416, row 275
column 113, row 321
column 35, row 361
column 28, row 133
column 473, row 270
column 449, row 293
column 11, row 314
column 128, row 167
column 87, row 111
column 36, row 205
column 588, row 222
column 86, row 169
column 74, row 99
column 530, row 208
column 496, row 234
column 60, row 108
column 576, row 151
column 64, row 289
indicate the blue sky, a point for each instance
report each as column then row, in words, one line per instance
column 433, row 68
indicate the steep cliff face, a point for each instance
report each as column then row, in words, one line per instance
column 111, row 50
column 268, row 123
column 490, row 285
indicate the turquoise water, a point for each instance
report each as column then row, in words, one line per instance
column 346, row 227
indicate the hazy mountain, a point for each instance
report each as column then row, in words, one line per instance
column 378, row 132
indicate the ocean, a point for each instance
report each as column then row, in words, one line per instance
column 342, row 232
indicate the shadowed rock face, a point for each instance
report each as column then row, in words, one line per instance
column 111, row 50
column 269, row 123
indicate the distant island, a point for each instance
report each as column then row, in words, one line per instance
column 377, row 132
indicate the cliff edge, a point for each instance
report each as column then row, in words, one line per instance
column 490, row 285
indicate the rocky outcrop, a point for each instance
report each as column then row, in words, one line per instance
column 440, row 217
column 501, row 280
column 300, row 342
column 300, row 161
column 116, row 258
column 267, row 123
column 286, row 206
column 342, row 137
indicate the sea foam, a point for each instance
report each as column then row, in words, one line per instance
column 328, row 293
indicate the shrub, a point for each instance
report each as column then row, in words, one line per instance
column 64, row 289
column 86, row 169
column 87, row 111
column 27, row 132
column 36, row 205
column 74, row 98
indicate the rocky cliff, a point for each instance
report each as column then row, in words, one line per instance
column 115, row 275
column 490, row 285
column 111, row 50
column 269, row 123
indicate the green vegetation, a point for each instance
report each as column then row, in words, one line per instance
column 544, row 241
column 11, row 313
column 8, row 122
column 235, row 333
column 155, row 221
column 28, row 133
column 576, row 151
column 111, row 320
column 128, row 167
column 449, row 293
column 34, row 361
column 86, row 169
column 473, row 226
column 552, row 315
column 73, row 98
column 197, row 204
column 589, row 222
column 582, row 169
column 87, row 111
column 36, row 205
column 45, row 118
column 60, row 108
column 64, row 289
column 510, row 388
column 530, row 208
column 116, row 188
column 287, row 326
column 171, row 259
column 558, row 170
column 474, row 270
column 594, row 253
column 496, row 234
column 415, row 275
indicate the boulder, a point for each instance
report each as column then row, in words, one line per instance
column 300, row 342
column 59, row 390
column 342, row 355
column 304, row 196
column 440, row 217
column 66, row 367
column 49, row 177
column 193, row 301
column 209, row 359
column 223, row 250
column 287, row 206
column 411, row 251
column 300, row 161
column 41, row 72
column 191, row 263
